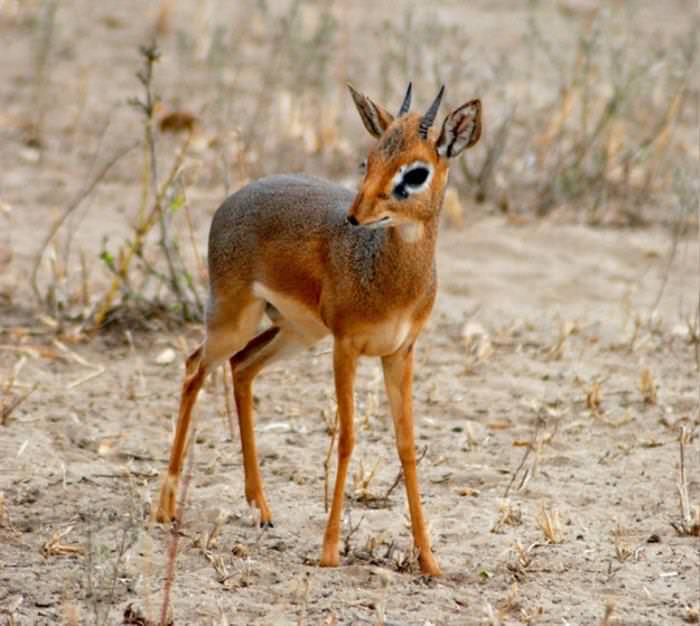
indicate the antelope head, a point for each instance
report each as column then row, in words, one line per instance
column 406, row 170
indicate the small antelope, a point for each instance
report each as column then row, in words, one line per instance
column 318, row 260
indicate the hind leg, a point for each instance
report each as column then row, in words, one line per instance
column 224, row 338
column 274, row 343
column 195, row 374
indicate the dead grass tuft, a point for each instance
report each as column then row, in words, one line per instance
column 567, row 328
column 623, row 550
column 521, row 559
column 594, row 398
column 361, row 481
column 689, row 523
column 549, row 522
column 10, row 400
column 508, row 515
column 647, row 386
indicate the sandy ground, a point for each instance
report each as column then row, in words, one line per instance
column 83, row 459
column 541, row 336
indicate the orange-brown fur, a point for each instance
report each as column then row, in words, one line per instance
column 319, row 261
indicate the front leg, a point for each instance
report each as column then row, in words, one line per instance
column 344, row 364
column 398, row 379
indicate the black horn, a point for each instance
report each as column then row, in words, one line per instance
column 406, row 104
column 430, row 114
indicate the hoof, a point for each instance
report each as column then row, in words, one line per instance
column 330, row 560
column 429, row 567
column 266, row 525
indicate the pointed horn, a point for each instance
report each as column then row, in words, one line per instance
column 406, row 105
column 430, row 114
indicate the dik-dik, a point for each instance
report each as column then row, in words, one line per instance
column 320, row 260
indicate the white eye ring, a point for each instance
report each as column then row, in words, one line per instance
column 401, row 188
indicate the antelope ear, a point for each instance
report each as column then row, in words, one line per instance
column 375, row 118
column 461, row 129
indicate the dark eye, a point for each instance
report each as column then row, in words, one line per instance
column 363, row 166
column 415, row 177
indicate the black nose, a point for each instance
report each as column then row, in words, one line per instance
column 352, row 220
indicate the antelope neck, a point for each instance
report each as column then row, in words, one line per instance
column 406, row 263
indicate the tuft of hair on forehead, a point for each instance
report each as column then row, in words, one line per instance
column 392, row 142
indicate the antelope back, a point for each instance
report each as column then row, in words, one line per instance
column 406, row 170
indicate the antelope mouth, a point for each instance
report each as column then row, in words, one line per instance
column 380, row 223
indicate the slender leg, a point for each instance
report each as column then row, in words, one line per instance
column 227, row 331
column 398, row 377
column 344, row 364
column 268, row 346
column 243, row 374
column 195, row 373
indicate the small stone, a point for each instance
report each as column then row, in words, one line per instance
column 166, row 357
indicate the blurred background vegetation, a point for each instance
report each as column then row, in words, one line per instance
column 126, row 124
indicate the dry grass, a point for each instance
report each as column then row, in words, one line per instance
column 549, row 523
column 689, row 523
column 647, row 386
column 56, row 547
column 508, row 515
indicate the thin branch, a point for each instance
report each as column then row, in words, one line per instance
column 175, row 532
column 74, row 204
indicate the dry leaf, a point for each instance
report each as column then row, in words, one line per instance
column 499, row 424
column 241, row 551
column 177, row 122
column 108, row 445
column 54, row 547
column 468, row 491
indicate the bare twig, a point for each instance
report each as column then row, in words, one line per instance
column 72, row 206
column 47, row 27
column 151, row 54
column 175, row 532
column 399, row 476
column 8, row 406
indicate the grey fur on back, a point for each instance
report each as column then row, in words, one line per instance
column 290, row 209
